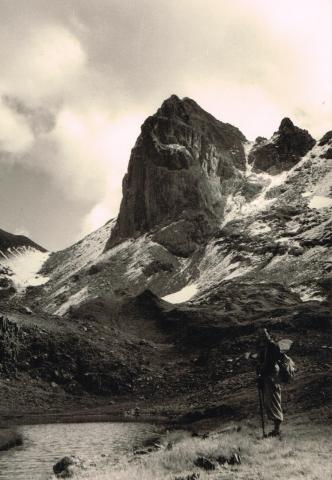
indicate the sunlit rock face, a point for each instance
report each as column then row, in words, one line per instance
column 282, row 151
column 184, row 165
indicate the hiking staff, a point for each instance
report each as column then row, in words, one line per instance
column 261, row 405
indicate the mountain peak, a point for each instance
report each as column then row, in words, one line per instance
column 286, row 147
column 286, row 125
column 185, row 108
column 184, row 164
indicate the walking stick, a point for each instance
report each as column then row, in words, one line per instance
column 261, row 408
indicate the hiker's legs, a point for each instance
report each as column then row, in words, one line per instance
column 272, row 398
column 277, row 424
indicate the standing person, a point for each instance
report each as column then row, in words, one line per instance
column 268, row 379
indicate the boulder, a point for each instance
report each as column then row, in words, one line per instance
column 65, row 468
column 94, row 269
column 204, row 463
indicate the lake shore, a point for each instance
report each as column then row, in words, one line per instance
column 9, row 438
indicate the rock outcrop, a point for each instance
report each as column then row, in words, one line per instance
column 282, row 151
column 183, row 166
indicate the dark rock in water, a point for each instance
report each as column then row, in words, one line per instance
column 65, row 468
column 62, row 464
column 205, row 463
column 9, row 439
column 283, row 150
column 183, row 166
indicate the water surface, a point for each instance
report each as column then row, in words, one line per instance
column 45, row 444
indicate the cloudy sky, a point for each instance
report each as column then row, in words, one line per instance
column 78, row 77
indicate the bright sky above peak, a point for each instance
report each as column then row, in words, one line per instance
column 79, row 78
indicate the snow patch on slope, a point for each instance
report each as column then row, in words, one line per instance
column 24, row 263
column 249, row 166
column 308, row 294
column 320, row 201
column 183, row 295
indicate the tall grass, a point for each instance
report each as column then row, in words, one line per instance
column 303, row 453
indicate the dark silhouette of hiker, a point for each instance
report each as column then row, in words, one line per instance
column 268, row 379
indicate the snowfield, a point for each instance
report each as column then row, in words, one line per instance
column 24, row 263
column 319, row 201
column 183, row 295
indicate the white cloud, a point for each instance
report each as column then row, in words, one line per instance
column 44, row 61
column 98, row 216
column 101, row 70
column 244, row 106
column 110, row 145
column 15, row 134
column 94, row 150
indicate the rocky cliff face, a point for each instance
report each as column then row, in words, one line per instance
column 183, row 166
column 282, row 151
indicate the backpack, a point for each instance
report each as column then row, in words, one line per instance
column 287, row 369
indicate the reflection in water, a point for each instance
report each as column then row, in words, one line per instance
column 45, row 444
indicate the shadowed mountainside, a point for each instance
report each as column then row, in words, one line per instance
column 9, row 240
column 198, row 213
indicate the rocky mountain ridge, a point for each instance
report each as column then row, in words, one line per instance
column 10, row 241
column 206, row 248
column 284, row 150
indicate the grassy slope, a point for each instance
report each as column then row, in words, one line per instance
column 303, row 453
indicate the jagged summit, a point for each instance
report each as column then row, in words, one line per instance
column 184, row 164
column 287, row 145
column 286, row 125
